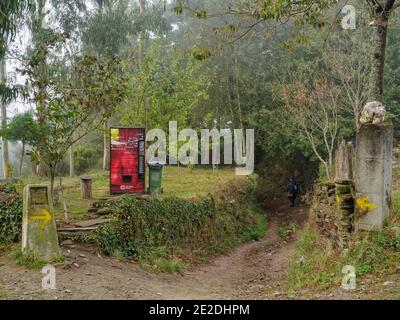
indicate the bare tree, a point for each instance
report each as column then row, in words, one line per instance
column 312, row 112
column 347, row 58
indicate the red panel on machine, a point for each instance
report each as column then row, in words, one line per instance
column 127, row 160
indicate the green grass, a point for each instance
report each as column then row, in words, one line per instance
column 117, row 254
column 169, row 265
column 316, row 265
column 177, row 181
column 28, row 261
column 284, row 232
column 190, row 182
column 257, row 230
column 59, row 259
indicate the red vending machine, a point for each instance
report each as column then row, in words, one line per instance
column 127, row 160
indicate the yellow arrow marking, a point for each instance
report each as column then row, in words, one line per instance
column 44, row 217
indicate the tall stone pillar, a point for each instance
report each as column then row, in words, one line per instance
column 373, row 175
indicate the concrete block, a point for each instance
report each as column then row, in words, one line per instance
column 39, row 233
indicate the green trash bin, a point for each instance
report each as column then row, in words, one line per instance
column 155, row 177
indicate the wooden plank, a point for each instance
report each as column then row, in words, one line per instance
column 91, row 223
column 76, row 229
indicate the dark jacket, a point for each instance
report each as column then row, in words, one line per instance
column 293, row 188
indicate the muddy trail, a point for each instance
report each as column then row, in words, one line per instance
column 255, row 270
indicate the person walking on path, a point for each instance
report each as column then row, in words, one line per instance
column 293, row 191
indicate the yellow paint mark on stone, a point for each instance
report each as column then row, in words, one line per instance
column 44, row 216
column 364, row 206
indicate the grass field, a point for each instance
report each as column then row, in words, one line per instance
column 177, row 181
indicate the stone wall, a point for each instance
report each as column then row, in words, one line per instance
column 323, row 211
column 332, row 211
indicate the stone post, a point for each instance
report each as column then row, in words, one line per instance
column 39, row 233
column 344, row 162
column 86, row 188
column 373, row 175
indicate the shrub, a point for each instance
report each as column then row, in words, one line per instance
column 86, row 157
column 153, row 223
column 10, row 214
column 162, row 232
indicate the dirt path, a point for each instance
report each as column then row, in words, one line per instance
column 248, row 272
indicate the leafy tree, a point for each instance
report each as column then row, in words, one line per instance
column 131, row 22
column 392, row 73
column 304, row 12
column 10, row 11
column 71, row 107
column 22, row 128
column 51, row 22
column 102, row 41
column 174, row 83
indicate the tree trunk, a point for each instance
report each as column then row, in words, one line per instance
column 71, row 162
column 63, row 201
column 33, row 170
column 37, row 28
column 375, row 92
column 21, row 161
column 42, row 66
column 52, row 179
column 106, row 156
column 41, row 169
column 6, row 160
column 327, row 171
column 142, row 36
column 238, row 87
column 142, row 48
